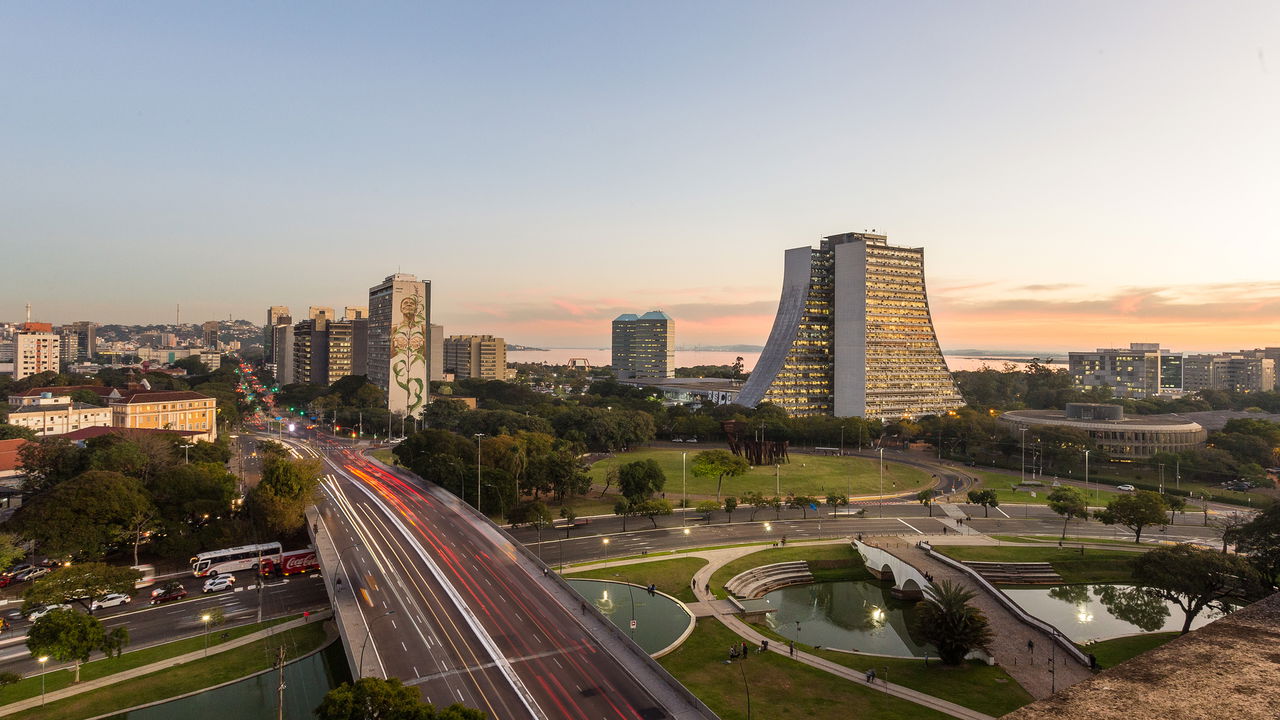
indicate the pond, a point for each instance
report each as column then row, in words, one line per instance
column 1099, row 612
column 306, row 682
column 659, row 621
column 846, row 615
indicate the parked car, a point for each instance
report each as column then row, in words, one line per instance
column 218, row 583
column 1126, row 488
column 110, row 600
column 31, row 573
column 167, row 594
column 42, row 610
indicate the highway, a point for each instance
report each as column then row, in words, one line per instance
column 153, row 624
column 449, row 606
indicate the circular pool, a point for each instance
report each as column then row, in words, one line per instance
column 655, row 622
column 855, row 615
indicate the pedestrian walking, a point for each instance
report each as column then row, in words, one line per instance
column 764, row 645
column 791, row 647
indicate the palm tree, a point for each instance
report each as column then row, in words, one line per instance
column 947, row 620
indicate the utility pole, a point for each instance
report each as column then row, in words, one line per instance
column 280, row 687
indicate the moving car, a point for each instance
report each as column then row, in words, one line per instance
column 1126, row 488
column 110, row 600
column 168, row 593
column 42, row 610
column 218, row 583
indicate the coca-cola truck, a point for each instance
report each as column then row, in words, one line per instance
column 294, row 562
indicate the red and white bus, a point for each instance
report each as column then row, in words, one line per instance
column 294, row 562
column 245, row 557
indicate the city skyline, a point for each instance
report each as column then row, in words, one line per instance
column 1082, row 176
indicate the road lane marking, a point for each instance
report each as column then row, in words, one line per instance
column 904, row 522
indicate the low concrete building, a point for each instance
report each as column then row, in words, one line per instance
column 1121, row 437
column 57, row 415
column 691, row 391
column 167, row 410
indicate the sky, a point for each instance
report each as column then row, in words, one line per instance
column 1081, row 174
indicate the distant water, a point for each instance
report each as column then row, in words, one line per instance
column 689, row 358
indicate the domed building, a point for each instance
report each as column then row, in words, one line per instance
column 1123, row 438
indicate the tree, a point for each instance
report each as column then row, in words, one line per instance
column 925, row 497
column 610, row 477
column 13, row 432
column 1259, row 540
column 1176, row 504
column 652, row 509
column 569, row 515
column 946, row 619
column 835, row 501
column 718, row 464
column 805, row 502
column 706, row 507
column 1195, row 579
column 49, row 461
column 640, row 479
column 10, row 550
column 66, row 635
column 1069, row 502
column 986, row 498
column 1135, row 512
column 81, row 583
column 624, row 509
column 758, row 502
column 730, row 504
column 378, row 699
column 1226, row 525
column 84, row 515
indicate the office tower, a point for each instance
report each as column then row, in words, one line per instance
column 209, row 334
column 644, row 345
column 476, row 356
column 319, row 312
column 352, row 312
column 87, row 337
column 282, row 339
column 1142, row 370
column 276, row 314
column 399, row 339
column 437, row 353
column 311, row 352
column 853, row 336
column 68, row 345
column 36, row 350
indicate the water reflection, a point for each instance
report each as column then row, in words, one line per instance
column 659, row 620
column 848, row 615
column 1098, row 612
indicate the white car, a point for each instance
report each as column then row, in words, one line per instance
column 43, row 610
column 110, row 600
column 1126, row 488
column 219, row 582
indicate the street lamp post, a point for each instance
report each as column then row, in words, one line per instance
column 186, row 452
column 881, row 481
column 43, row 659
column 367, row 634
column 478, row 436
column 777, row 481
column 1024, row 453
column 684, row 491
column 605, row 542
column 1086, row 476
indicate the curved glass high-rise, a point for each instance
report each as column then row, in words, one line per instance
column 853, row 336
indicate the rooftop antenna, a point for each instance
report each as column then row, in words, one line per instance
column 177, row 315
column 28, row 312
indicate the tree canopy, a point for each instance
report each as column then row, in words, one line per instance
column 378, row 699
column 84, row 516
column 1136, row 511
column 718, row 464
column 1195, row 579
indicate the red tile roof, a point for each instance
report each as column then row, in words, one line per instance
column 150, row 396
column 100, row 390
column 93, row 432
column 9, row 453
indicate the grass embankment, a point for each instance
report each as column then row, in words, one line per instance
column 384, row 455
column 827, row 563
column 671, row 576
column 58, row 679
column 1071, row 540
column 814, row 475
column 1113, row 652
column 779, row 686
column 1089, row 566
column 975, row 685
column 182, row 679
column 1003, row 485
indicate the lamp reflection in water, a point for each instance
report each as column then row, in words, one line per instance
column 605, row 603
column 1083, row 615
column 877, row 616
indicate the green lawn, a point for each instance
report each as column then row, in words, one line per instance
column 1002, row 484
column 671, row 576
column 384, row 455
column 779, row 687
column 1113, row 652
column 1091, row 566
column 181, row 679
column 58, row 679
column 975, row 685
column 827, row 562
column 1053, row 539
column 814, row 475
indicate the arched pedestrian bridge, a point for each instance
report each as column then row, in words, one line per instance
column 908, row 582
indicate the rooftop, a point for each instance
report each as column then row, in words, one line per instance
column 92, row 432
column 1226, row 669
column 1045, row 417
column 9, row 454
column 135, row 397
column 40, row 409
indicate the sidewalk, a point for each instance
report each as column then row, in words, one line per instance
column 90, row 685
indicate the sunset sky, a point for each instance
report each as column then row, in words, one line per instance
column 1081, row 174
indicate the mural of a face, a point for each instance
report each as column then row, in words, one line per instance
column 409, row 308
